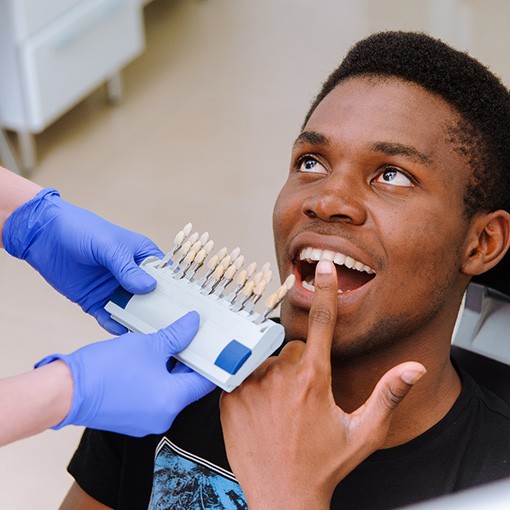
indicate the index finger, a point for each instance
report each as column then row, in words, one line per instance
column 322, row 318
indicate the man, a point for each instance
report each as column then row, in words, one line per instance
column 400, row 178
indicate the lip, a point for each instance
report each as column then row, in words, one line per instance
column 303, row 297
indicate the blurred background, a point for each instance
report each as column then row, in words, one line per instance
column 158, row 113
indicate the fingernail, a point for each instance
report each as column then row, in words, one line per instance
column 412, row 376
column 325, row 267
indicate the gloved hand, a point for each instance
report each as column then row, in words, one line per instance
column 78, row 253
column 123, row 385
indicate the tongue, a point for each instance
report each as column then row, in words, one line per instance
column 350, row 279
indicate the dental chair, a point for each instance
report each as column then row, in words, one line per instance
column 481, row 347
column 481, row 341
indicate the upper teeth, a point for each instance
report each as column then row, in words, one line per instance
column 315, row 254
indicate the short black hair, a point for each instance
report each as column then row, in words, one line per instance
column 481, row 99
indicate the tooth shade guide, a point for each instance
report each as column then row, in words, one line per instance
column 248, row 284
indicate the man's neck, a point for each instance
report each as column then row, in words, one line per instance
column 426, row 404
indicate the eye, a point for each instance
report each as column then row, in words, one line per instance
column 394, row 177
column 308, row 164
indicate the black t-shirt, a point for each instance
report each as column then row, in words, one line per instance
column 187, row 468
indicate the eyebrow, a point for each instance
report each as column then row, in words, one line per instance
column 312, row 138
column 399, row 149
column 388, row 148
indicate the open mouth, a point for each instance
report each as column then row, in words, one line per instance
column 352, row 274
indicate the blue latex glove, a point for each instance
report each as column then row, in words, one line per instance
column 123, row 385
column 78, row 253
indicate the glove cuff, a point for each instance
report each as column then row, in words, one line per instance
column 26, row 223
column 82, row 410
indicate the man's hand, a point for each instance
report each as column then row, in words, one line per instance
column 287, row 441
column 78, row 253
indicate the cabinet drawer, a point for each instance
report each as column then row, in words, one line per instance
column 71, row 56
column 31, row 15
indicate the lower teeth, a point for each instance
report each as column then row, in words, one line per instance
column 310, row 287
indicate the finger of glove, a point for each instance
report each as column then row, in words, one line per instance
column 191, row 387
column 132, row 277
column 106, row 322
column 180, row 368
column 179, row 334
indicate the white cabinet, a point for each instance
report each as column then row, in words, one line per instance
column 53, row 53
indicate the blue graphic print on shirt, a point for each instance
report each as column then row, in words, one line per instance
column 183, row 481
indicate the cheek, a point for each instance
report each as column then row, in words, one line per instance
column 430, row 249
column 284, row 214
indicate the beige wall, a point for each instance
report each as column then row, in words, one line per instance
column 203, row 135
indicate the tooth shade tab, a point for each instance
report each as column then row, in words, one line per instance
column 230, row 272
column 226, row 261
column 239, row 261
column 258, row 277
column 209, row 245
column 218, row 272
column 190, row 262
column 290, row 281
column 248, row 288
column 200, row 256
column 265, row 267
column 179, row 238
column 196, row 246
column 281, row 292
column 260, row 288
column 185, row 248
column 187, row 229
column 271, row 301
column 190, row 256
column 213, row 262
column 241, row 277
column 235, row 253
column 204, row 238
column 193, row 238
column 221, row 254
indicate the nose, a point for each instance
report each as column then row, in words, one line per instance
column 336, row 199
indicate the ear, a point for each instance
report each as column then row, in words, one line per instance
column 488, row 240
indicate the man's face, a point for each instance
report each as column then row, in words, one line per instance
column 376, row 186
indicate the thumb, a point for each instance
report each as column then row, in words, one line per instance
column 179, row 334
column 132, row 277
column 391, row 390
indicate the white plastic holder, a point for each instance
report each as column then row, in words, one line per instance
column 228, row 347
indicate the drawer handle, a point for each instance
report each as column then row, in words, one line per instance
column 88, row 25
